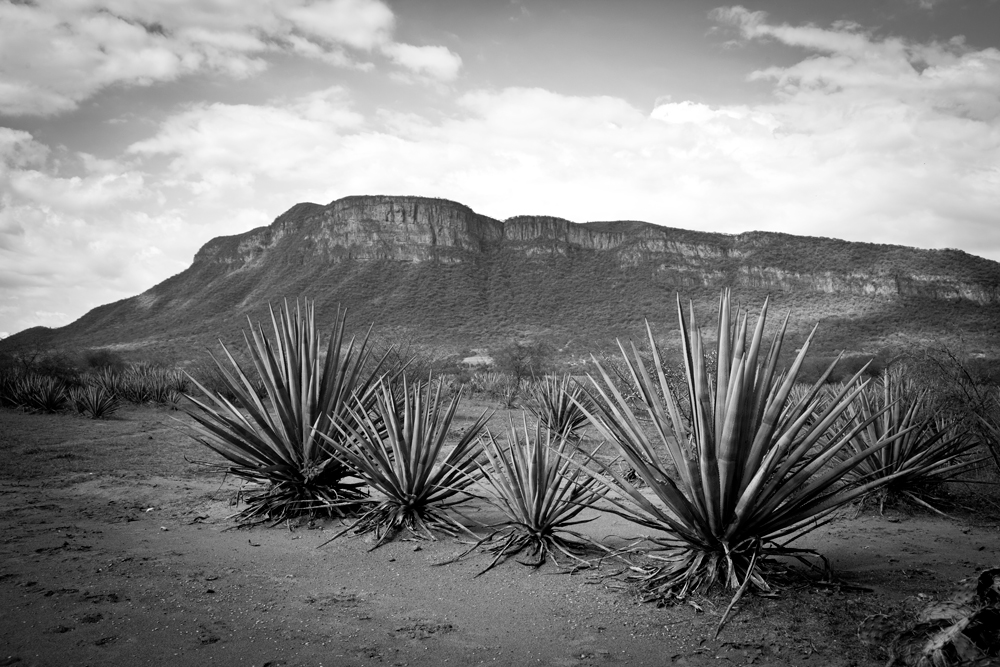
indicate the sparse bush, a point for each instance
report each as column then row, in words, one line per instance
column 523, row 360
column 60, row 366
column 102, row 358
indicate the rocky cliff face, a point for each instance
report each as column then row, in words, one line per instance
column 417, row 229
column 444, row 274
column 406, row 229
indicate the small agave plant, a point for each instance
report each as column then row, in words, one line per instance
column 397, row 445
column 41, row 393
column 536, row 486
column 94, row 401
column 557, row 405
column 742, row 474
column 927, row 448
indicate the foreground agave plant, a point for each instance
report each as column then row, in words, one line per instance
column 741, row 475
column 541, row 492
column 282, row 442
column 397, row 446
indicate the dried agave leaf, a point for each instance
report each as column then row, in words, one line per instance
column 963, row 630
column 950, row 611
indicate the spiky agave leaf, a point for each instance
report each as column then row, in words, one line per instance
column 931, row 448
column 535, row 484
column 398, row 447
column 279, row 440
column 556, row 405
column 746, row 472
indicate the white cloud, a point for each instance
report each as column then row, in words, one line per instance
column 362, row 24
column 284, row 142
column 436, row 62
column 76, row 193
column 19, row 149
column 54, row 55
column 75, row 232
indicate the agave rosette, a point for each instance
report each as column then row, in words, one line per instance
column 541, row 492
column 280, row 440
column 557, row 404
column 930, row 448
column 94, row 401
column 397, row 445
column 745, row 472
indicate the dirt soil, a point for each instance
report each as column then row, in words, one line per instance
column 115, row 549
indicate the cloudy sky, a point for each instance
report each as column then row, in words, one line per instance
column 133, row 131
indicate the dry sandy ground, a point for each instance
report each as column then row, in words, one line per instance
column 116, row 550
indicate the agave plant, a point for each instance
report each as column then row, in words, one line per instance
column 145, row 383
column 94, row 401
column 748, row 472
column 10, row 396
column 535, row 484
column 930, row 448
column 41, row 393
column 397, row 446
column 557, row 403
column 483, row 382
column 282, row 443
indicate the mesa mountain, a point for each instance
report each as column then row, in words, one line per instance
column 438, row 274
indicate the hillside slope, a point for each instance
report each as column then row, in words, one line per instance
column 436, row 272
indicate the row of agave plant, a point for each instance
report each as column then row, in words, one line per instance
column 97, row 394
column 745, row 465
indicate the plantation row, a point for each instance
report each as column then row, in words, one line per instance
column 99, row 393
column 96, row 394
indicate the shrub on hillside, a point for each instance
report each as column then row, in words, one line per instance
column 522, row 360
column 102, row 358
